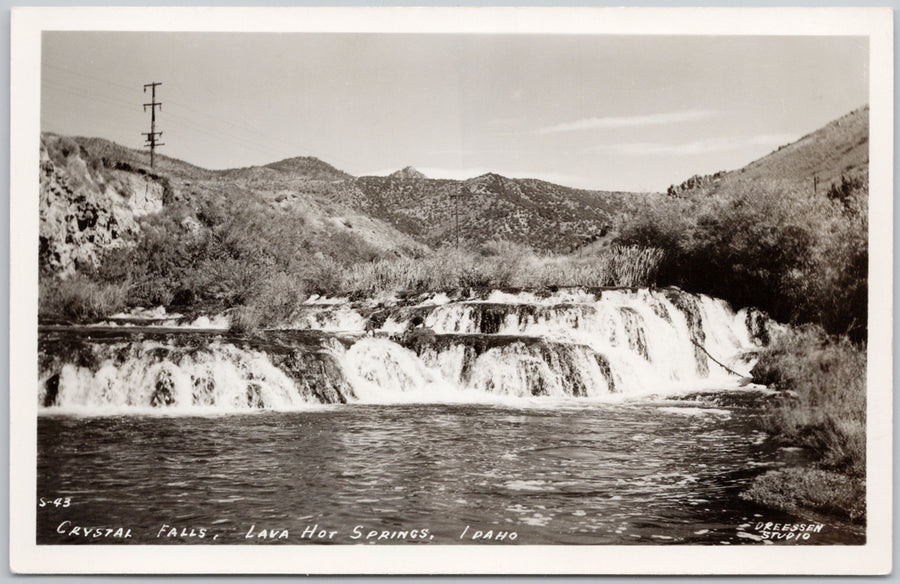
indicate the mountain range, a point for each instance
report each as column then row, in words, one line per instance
column 94, row 193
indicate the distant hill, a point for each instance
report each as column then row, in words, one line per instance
column 94, row 194
column 840, row 149
column 298, row 168
column 408, row 173
column 543, row 215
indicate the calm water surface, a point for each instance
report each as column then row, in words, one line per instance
column 639, row 472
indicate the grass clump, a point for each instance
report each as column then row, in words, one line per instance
column 500, row 265
column 797, row 490
column 79, row 299
column 823, row 405
column 617, row 265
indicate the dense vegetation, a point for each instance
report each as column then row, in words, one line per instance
column 822, row 407
column 801, row 256
column 208, row 254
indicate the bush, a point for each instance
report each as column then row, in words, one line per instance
column 801, row 258
column 245, row 319
column 240, row 247
column 78, row 299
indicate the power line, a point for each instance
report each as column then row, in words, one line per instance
column 188, row 121
column 90, row 97
column 221, row 135
column 180, row 105
column 257, row 140
column 86, row 76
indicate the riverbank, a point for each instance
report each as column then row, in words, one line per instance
column 822, row 408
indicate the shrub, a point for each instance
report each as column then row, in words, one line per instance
column 78, row 299
column 844, row 193
column 799, row 257
column 240, row 245
column 245, row 319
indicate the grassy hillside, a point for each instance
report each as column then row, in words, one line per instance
column 117, row 234
column 840, row 149
column 298, row 186
column 100, row 149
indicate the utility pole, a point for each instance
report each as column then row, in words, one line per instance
column 152, row 136
column 815, row 184
column 455, row 196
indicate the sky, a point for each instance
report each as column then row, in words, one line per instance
column 633, row 113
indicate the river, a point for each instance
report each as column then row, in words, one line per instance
column 602, row 417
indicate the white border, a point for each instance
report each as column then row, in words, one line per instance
column 25, row 556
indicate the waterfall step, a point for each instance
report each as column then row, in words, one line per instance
column 560, row 345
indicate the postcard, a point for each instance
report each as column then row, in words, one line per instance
column 451, row 290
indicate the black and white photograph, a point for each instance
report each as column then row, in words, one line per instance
column 397, row 288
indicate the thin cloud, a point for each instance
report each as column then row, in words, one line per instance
column 631, row 121
column 697, row 146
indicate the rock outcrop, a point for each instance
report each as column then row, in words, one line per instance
column 408, row 173
column 89, row 203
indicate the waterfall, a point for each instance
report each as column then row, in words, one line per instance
column 220, row 376
column 500, row 345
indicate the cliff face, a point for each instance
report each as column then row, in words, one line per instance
column 88, row 204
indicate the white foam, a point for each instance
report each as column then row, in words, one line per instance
column 623, row 345
column 688, row 411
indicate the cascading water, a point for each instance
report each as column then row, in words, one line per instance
column 568, row 344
